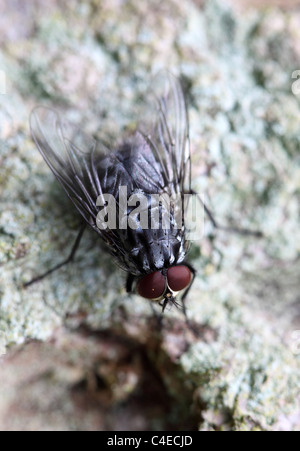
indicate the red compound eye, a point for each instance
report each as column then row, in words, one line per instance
column 179, row 277
column 151, row 286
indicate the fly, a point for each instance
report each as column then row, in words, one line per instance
column 155, row 162
column 150, row 163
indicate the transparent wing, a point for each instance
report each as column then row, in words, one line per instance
column 169, row 132
column 71, row 157
column 87, row 169
column 75, row 159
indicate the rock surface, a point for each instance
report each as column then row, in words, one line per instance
column 78, row 353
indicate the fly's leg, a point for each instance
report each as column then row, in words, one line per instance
column 191, row 326
column 240, row 231
column 184, row 309
column 60, row 265
column 129, row 283
column 216, row 225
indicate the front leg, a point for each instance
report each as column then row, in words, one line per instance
column 191, row 326
column 193, row 271
column 129, row 283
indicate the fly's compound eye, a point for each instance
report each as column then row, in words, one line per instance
column 151, row 286
column 179, row 277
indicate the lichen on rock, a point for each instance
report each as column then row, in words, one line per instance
column 94, row 347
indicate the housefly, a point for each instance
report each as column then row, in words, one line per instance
column 153, row 163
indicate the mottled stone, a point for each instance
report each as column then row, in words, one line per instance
column 93, row 62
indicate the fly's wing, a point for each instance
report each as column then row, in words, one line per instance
column 75, row 159
column 157, row 162
column 70, row 155
column 169, row 136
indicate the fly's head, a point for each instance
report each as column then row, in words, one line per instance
column 165, row 285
